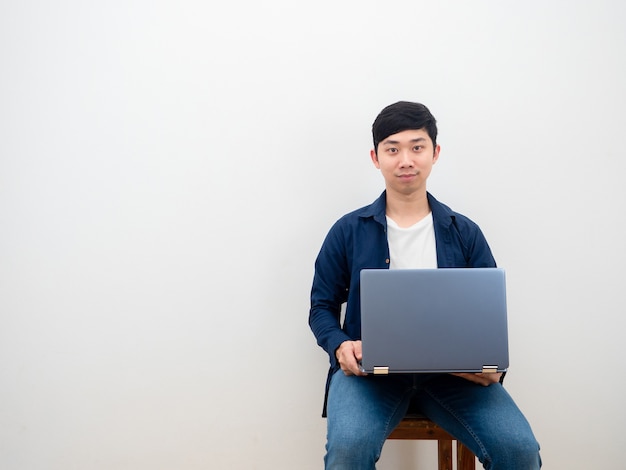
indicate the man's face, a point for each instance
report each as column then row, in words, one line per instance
column 405, row 160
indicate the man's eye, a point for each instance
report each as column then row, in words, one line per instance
column 392, row 150
column 417, row 148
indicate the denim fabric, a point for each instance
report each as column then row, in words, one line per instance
column 359, row 240
column 362, row 411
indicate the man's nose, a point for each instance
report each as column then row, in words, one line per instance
column 405, row 159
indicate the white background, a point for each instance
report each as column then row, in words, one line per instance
column 168, row 171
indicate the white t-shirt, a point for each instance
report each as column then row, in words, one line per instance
column 414, row 246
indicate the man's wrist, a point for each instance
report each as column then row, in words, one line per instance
column 337, row 351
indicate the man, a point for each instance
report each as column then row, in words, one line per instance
column 406, row 227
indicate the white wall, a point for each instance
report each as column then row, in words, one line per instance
column 168, row 171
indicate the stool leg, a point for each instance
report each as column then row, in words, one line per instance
column 445, row 454
column 465, row 459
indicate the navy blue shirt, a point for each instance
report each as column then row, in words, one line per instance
column 359, row 240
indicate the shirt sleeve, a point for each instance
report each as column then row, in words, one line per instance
column 473, row 243
column 329, row 291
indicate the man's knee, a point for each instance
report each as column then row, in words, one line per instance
column 351, row 451
column 521, row 453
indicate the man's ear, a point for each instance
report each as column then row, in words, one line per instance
column 436, row 154
column 374, row 158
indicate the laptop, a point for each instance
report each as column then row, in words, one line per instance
column 434, row 320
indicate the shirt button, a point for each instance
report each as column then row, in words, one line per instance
column 387, row 261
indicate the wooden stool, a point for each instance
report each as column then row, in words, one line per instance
column 415, row 426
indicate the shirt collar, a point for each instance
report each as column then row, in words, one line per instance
column 377, row 210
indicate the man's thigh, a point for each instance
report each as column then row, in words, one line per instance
column 486, row 419
column 374, row 404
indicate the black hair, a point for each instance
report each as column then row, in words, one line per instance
column 402, row 116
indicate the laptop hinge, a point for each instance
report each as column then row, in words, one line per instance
column 490, row 369
column 381, row 370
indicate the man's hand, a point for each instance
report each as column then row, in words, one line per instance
column 349, row 354
column 484, row 379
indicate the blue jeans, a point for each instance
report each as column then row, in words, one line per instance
column 362, row 412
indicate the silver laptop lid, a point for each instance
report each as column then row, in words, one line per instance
column 434, row 320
